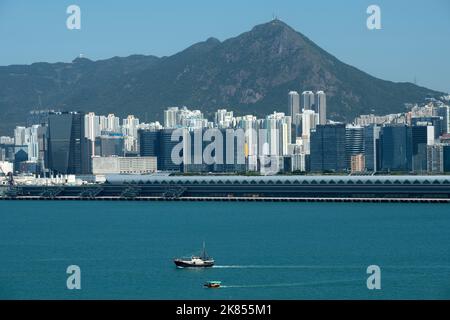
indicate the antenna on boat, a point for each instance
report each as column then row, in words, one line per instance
column 204, row 250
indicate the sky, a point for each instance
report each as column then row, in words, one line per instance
column 412, row 45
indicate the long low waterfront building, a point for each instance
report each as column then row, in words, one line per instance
column 123, row 165
column 156, row 186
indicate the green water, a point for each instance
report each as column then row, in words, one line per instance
column 262, row 250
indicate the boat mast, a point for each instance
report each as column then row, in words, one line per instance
column 204, row 251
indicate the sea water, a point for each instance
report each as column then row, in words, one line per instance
column 262, row 250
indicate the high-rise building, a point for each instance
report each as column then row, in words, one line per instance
column 149, row 141
column 372, row 152
column 307, row 100
column 435, row 158
column 37, row 145
column 279, row 134
column 194, row 147
column 354, row 142
column 421, row 136
column 250, row 126
column 321, row 106
column 224, row 118
column 297, row 126
column 22, row 136
column 444, row 113
column 234, row 151
column 295, row 114
column 309, row 122
column 130, row 131
column 92, row 126
column 165, row 161
column 68, row 150
column 396, row 148
column 112, row 124
column 328, row 148
column 170, row 118
column 293, row 104
column 92, row 129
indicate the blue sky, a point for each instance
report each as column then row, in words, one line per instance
column 414, row 42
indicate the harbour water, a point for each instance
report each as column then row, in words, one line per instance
column 262, row 250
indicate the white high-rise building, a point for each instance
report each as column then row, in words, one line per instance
column 91, row 126
column 103, row 123
column 36, row 143
column 130, row 131
column 321, row 106
column 20, row 136
column 192, row 119
column 92, row 129
column 309, row 121
column 307, row 100
column 170, row 118
column 175, row 118
column 224, row 118
column 250, row 126
column 279, row 133
column 272, row 136
column 112, row 123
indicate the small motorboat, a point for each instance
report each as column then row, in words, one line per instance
column 201, row 261
column 212, row 284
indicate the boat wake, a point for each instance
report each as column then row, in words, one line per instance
column 295, row 284
column 324, row 267
column 284, row 267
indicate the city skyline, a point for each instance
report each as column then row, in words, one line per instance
column 300, row 139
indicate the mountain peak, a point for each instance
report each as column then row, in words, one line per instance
column 80, row 59
column 274, row 25
column 212, row 40
column 252, row 73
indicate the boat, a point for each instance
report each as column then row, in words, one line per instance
column 201, row 261
column 212, row 284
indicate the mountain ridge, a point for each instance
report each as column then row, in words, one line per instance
column 249, row 73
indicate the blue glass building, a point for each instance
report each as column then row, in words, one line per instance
column 328, row 148
column 396, row 148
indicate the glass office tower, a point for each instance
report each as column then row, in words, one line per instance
column 396, row 148
column 328, row 148
column 68, row 151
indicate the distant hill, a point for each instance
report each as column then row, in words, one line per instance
column 251, row 73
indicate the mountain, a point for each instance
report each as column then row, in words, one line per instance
column 251, row 73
